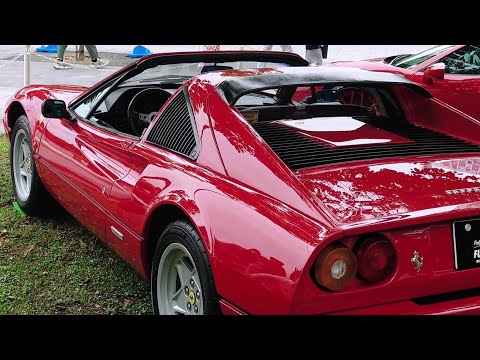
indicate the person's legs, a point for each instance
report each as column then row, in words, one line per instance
column 61, row 51
column 59, row 63
column 96, row 61
column 308, row 56
column 314, row 57
column 287, row 48
column 267, row 47
column 92, row 51
column 324, row 51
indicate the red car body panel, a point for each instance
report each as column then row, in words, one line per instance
column 262, row 224
column 378, row 64
column 459, row 91
column 359, row 193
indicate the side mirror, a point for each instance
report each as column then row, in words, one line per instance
column 53, row 108
column 433, row 72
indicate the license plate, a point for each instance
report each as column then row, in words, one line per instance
column 466, row 244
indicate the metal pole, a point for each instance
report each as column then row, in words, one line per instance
column 26, row 66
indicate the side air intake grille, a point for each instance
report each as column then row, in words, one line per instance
column 298, row 151
column 174, row 129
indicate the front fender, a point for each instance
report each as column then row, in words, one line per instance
column 27, row 101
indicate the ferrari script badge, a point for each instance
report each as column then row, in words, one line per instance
column 417, row 261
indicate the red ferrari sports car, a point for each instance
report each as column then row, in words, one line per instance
column 450, row 73
column 204, row 173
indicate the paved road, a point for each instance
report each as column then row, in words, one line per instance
column 42, row 71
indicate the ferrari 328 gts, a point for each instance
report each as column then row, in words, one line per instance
column 249, row 183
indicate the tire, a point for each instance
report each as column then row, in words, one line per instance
column 182, row 279
column 28, row 190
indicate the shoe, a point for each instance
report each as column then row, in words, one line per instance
column 61, row 65
column 99, row 63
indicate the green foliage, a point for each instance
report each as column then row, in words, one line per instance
column 53, row 265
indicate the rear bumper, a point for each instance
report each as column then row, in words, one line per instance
column 466, row 306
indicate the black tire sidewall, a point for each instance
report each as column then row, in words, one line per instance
column 183, row 233
column 33, row 202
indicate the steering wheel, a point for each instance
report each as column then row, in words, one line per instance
column 143, row 107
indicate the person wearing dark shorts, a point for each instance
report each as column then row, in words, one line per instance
column 313, row 54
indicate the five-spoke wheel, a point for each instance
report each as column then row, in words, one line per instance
column 29, row 192
column 182, row 279
column 179, row 289
column 22, row 165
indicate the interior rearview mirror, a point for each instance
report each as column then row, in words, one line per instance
column 53, row 108
column 433, row 72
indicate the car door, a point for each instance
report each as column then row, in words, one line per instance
column 81, row 160
column 461, row 84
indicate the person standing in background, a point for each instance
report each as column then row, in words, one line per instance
column 324, row 51
column 92, row 51
column 283, row 47
column 314, row 55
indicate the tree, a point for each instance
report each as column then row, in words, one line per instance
column 80, row 52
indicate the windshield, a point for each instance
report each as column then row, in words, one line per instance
column 181, row 72
column 413, row 60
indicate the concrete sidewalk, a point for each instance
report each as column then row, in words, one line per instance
column 42, row 71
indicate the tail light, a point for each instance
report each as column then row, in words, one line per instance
column 377, row 259
column 335, row 267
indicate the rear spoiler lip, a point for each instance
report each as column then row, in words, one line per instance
column 445, row 213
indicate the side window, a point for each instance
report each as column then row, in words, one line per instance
column 175, row 128
column 122, row 108
column 463, row 61
column 84, row 108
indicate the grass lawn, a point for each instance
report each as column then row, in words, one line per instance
column 53, row 265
